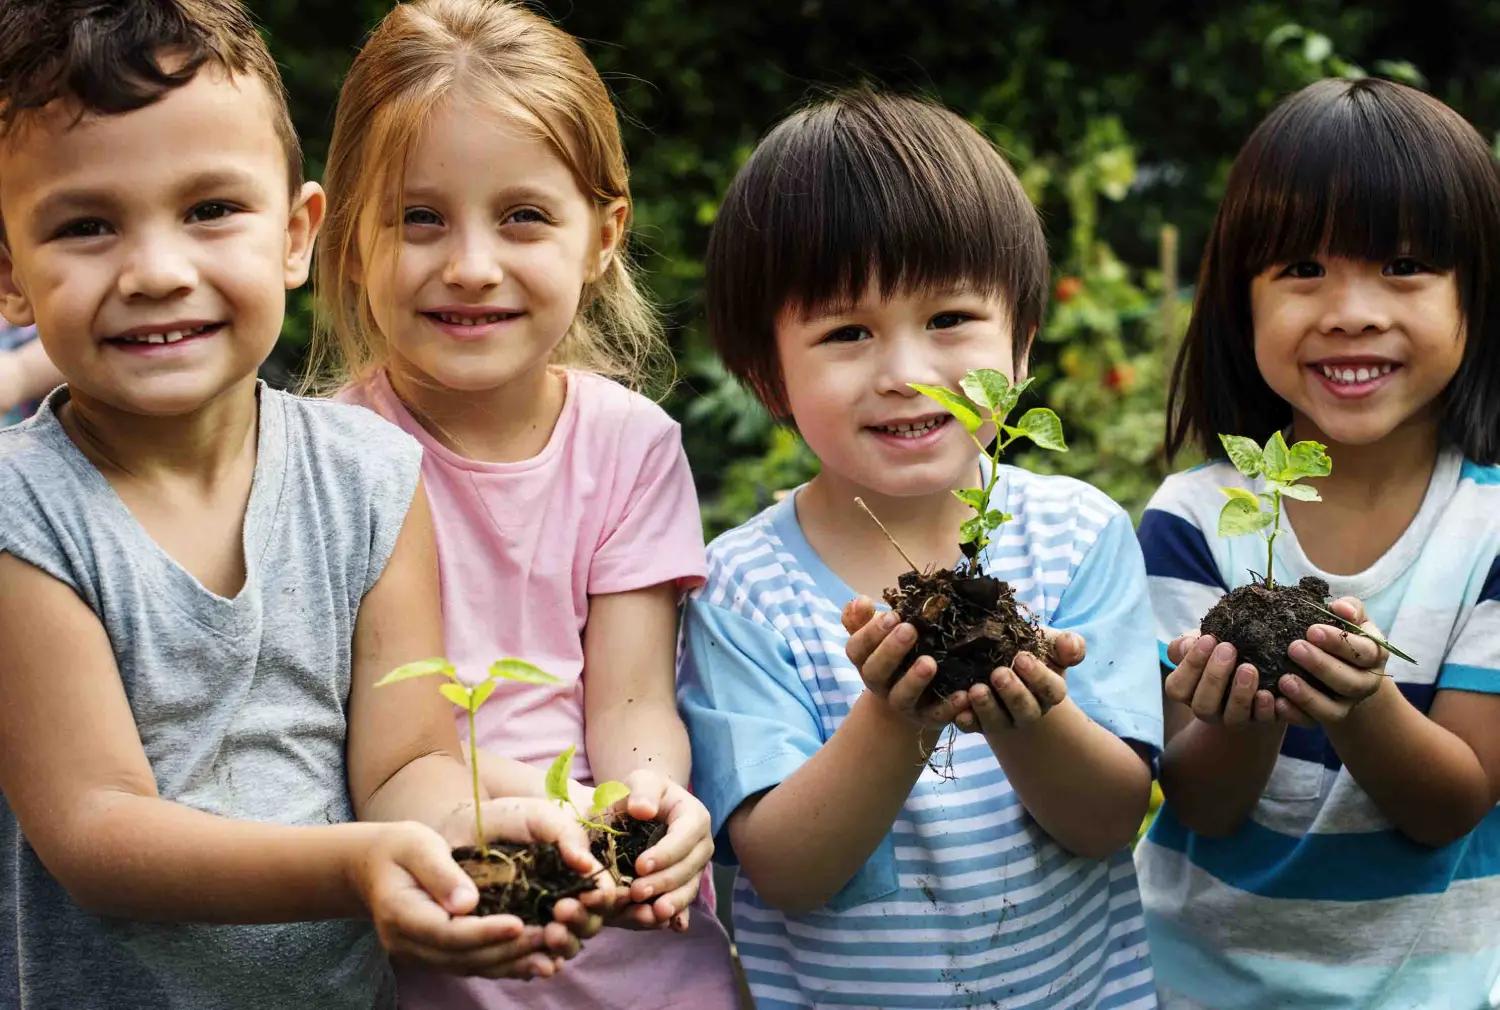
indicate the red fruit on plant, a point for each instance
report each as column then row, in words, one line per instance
column 1120, row 378
column 1068, row 288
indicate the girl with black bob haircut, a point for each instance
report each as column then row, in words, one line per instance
column 1345, row 299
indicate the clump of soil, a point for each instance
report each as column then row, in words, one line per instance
column 618, row 853
column 1262, row 623
column 968, row 622
column 521, row 880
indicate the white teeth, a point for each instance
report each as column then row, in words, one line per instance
column 1352, row 376
column 909, row 430
column 165, row 337
column 457, row 320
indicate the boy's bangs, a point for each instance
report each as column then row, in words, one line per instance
column 854, row 207
column 1362, row 179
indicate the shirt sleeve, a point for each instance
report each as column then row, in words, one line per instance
column 1118, row 684
column 659, row 538
column 751, row 721
column 1182, row 577
column 1473, row 661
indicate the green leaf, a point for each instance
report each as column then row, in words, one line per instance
column 989, row 387
column 1275, row 458
column 1244, row 454
column 971, row 530
column 961, row 407
column 421, row 668
column 1242, row 494
column 1301, row 492
column 458, row 694
column 996, row 519
column 971, row 496
column 483, row 691
column 557, row 776
column 606, row 795
column 1308, row 459
column 1240, row 517
column 519, row 670
column 1042, row 427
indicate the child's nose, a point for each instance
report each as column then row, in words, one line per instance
column 905, row 362
column 1356, row 305
column 157, row 267
column 473, row 265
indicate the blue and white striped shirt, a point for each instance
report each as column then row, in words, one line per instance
column 1317, row 900
column 966, row 902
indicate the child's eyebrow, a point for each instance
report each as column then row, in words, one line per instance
column 83, row 200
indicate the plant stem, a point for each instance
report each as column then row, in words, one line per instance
column 1271, row 540
column 861, row 503
column 474, row 765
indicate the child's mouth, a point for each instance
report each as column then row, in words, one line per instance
column 166, row 335
column 470, row 320
column 1351, row 381
column 912, row 431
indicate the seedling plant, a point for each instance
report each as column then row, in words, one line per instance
column 967, row 621
column 522, row 880
column 1262, row 620
column 618, row 840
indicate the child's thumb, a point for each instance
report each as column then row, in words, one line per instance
column 431, row 864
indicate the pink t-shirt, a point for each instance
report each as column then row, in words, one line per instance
column 607, row 506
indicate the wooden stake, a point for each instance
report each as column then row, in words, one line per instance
column 861, row 503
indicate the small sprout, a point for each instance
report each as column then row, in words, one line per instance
column 987, row 397
column 1281, row 466
column 606, row 794
column 469, row 697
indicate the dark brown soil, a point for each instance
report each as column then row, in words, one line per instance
column 1262, row 623
column 620, row 852
column 521, row 880
column 968, row 623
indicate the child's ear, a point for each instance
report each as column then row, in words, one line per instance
column 14, row 305
column 302, row 232
column 612, row 218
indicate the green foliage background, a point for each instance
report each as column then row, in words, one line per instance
column 1121, row 120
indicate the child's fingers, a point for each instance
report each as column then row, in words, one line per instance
column 1045, row 684
column 1289, row 713
column 905, row 695
column 1240, row 708
column 676, row 902
column 574, row 916
column 560, row 941
column 1067, row 648
column 647, row 789
column 1208, row 698
column 470, row 961
column 869, row 636
column 992, row 716
column 941, row 713
column 1347, row 682
column 966, row 721
column 879, row 668
column 1350, row 608
column 1313, row 703
column 1182, row 683
column 1180, row 646
column 857, row 613
column 1356, row 650
column 1017, row 698
column 675, row 874
column 1265, row 704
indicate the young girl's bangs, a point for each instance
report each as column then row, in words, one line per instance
column 895, row 197
column 1358, row 173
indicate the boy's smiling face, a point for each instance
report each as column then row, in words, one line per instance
column 153, row 248
column 847, row 375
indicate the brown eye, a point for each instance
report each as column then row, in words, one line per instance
column 1305, row 270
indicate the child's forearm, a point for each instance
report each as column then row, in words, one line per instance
column 141, row 857
column 1422, row 776
column 437, row 790
column 1085, row 786
column 645, row 735
column 802, row 841
column 1213, row 775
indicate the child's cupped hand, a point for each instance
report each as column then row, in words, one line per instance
column 670, row 872
column 1220, row 691
column 1351, row 667
column 877, row 644
column 419, row 897
column 1018, row 696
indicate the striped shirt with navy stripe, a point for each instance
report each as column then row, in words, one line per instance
column 966, row 902
column 1317, row 900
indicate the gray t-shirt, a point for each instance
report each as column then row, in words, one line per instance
column 241, row 703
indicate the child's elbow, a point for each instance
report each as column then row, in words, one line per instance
column 1437, row 832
